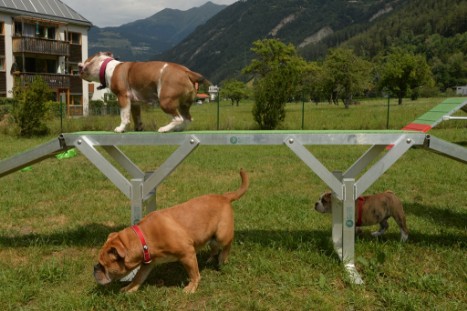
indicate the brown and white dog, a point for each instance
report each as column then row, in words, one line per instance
column 172, row 234
column 171, row 85
column 371, row 210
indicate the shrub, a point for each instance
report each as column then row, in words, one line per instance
column 96, row 107
column 54, row 109
column 30, row 110
column 113, row 107
column 269, row 108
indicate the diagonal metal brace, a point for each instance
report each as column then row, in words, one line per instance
column 170, row 164
column 400, row 147
column 86, row 146
column 312, row 162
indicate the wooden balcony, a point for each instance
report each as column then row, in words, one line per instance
column 40, row 46
column 54, row 81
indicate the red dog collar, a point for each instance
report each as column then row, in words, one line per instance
column 360, row 202
column 146, row 255
column 102, row 73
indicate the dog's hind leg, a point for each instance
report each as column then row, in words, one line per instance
column 179, row 110
column 224, row 254
column 177, row 124
column 221, row 252
column 400, row 220
column 383, row 227
column 214, row 246
column 136, row 114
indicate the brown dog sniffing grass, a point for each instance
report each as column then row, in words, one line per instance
column 372, row 210
column 172, row 234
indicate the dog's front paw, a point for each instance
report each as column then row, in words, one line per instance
column 119, row 129
column 164, row 129
column 190, row 288
column 376, row 233
column 129, row 288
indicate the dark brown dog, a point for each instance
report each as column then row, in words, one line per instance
column 371, row 210
column 172, row 234
column 171, row 85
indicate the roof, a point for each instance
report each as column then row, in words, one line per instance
column 50, row 9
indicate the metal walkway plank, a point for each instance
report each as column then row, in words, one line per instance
column 435, row 115
column 31, row 156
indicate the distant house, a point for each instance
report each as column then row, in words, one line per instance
column 461, row 90
column 44, row 38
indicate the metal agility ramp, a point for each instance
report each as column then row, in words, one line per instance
column 346, row 186
column 437, row 114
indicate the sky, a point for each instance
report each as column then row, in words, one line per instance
column 105, row 13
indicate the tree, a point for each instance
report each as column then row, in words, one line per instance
column 31, row 108
column 277, row 69
column 401, row 74
column 234, row 90
column 346, row 74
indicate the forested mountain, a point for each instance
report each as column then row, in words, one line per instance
column 436, row 29
column 141, row 39
column 220, row 48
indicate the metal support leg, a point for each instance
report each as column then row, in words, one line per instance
column 348, row 231
column 150, row 197
column 136, row 200
column 337, row 217
column 343, row 227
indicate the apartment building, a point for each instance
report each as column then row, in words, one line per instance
column 44, row 38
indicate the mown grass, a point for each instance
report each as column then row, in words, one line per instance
column 56, row 217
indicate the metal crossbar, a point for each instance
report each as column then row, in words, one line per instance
column 345, row 186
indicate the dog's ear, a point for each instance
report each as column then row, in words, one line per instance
column 110, row 54
column 327, row 197
column 117, row 251
column 111, row 235
column 116, row 247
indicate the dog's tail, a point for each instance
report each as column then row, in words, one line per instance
column 197, row 78
column 235, row 195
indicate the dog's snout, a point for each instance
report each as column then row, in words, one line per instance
column 317, row 206
column 98, row 268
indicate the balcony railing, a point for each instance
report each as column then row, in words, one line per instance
column 54, row 81
column 40, row 46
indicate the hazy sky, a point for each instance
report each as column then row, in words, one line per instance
column 103, row 13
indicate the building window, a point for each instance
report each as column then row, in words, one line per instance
column 76, row 100
column 34, row 30
column 2, row 63
column 2, row 27
column 73, row 37
column 73, row 70
column 18, row 29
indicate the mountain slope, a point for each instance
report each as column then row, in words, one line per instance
column 221, row 47
column 144, row 38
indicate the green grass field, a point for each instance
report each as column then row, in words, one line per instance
column 56, row 216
